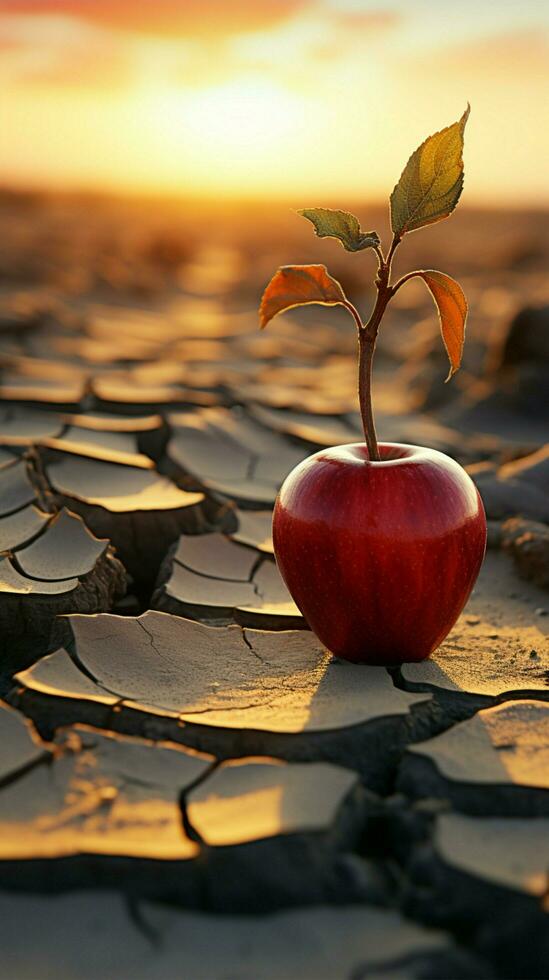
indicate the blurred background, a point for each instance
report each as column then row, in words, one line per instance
column 150, row 158
column 271, row 99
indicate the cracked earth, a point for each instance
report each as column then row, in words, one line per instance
column 190, row 785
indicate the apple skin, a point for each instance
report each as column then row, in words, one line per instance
column 380, row 557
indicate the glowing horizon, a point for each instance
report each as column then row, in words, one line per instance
column 318, row 100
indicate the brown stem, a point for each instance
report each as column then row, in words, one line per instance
column 354, row 313
column 394, row 245
column 403, row 279
column 367, row 337
column 380, row 255
column 366, row 347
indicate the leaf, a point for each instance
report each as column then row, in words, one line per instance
column 341, row 225
column 452, row 310
column 431, row 182
column 299, row 285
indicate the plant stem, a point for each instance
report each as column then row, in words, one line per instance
column 366, row 347
column 380, row 255
column 367, row 337
column 394, row 245
column 406, row 278
column 355, row 314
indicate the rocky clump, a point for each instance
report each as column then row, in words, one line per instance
column 517, row 488
column 528, row 544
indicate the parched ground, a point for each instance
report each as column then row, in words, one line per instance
column 190, row 785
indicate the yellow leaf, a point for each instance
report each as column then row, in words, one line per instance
column 299, row 285
column 431, row 182
column 452, row 309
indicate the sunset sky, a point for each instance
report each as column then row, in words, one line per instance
column 315, row 99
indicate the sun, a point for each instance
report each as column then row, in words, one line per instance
column 241, row 117
column 230, row 135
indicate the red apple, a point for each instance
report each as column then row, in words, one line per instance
column 380, row 557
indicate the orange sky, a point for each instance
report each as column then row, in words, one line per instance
column 304, row 99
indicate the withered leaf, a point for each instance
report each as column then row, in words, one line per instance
column 452, row 309
column 299, row 285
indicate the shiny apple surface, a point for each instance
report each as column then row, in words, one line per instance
column 380, row 557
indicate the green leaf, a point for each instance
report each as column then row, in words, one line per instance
column 299, row 285
column 452, row 310
column 431, row 182
column 341, row 225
